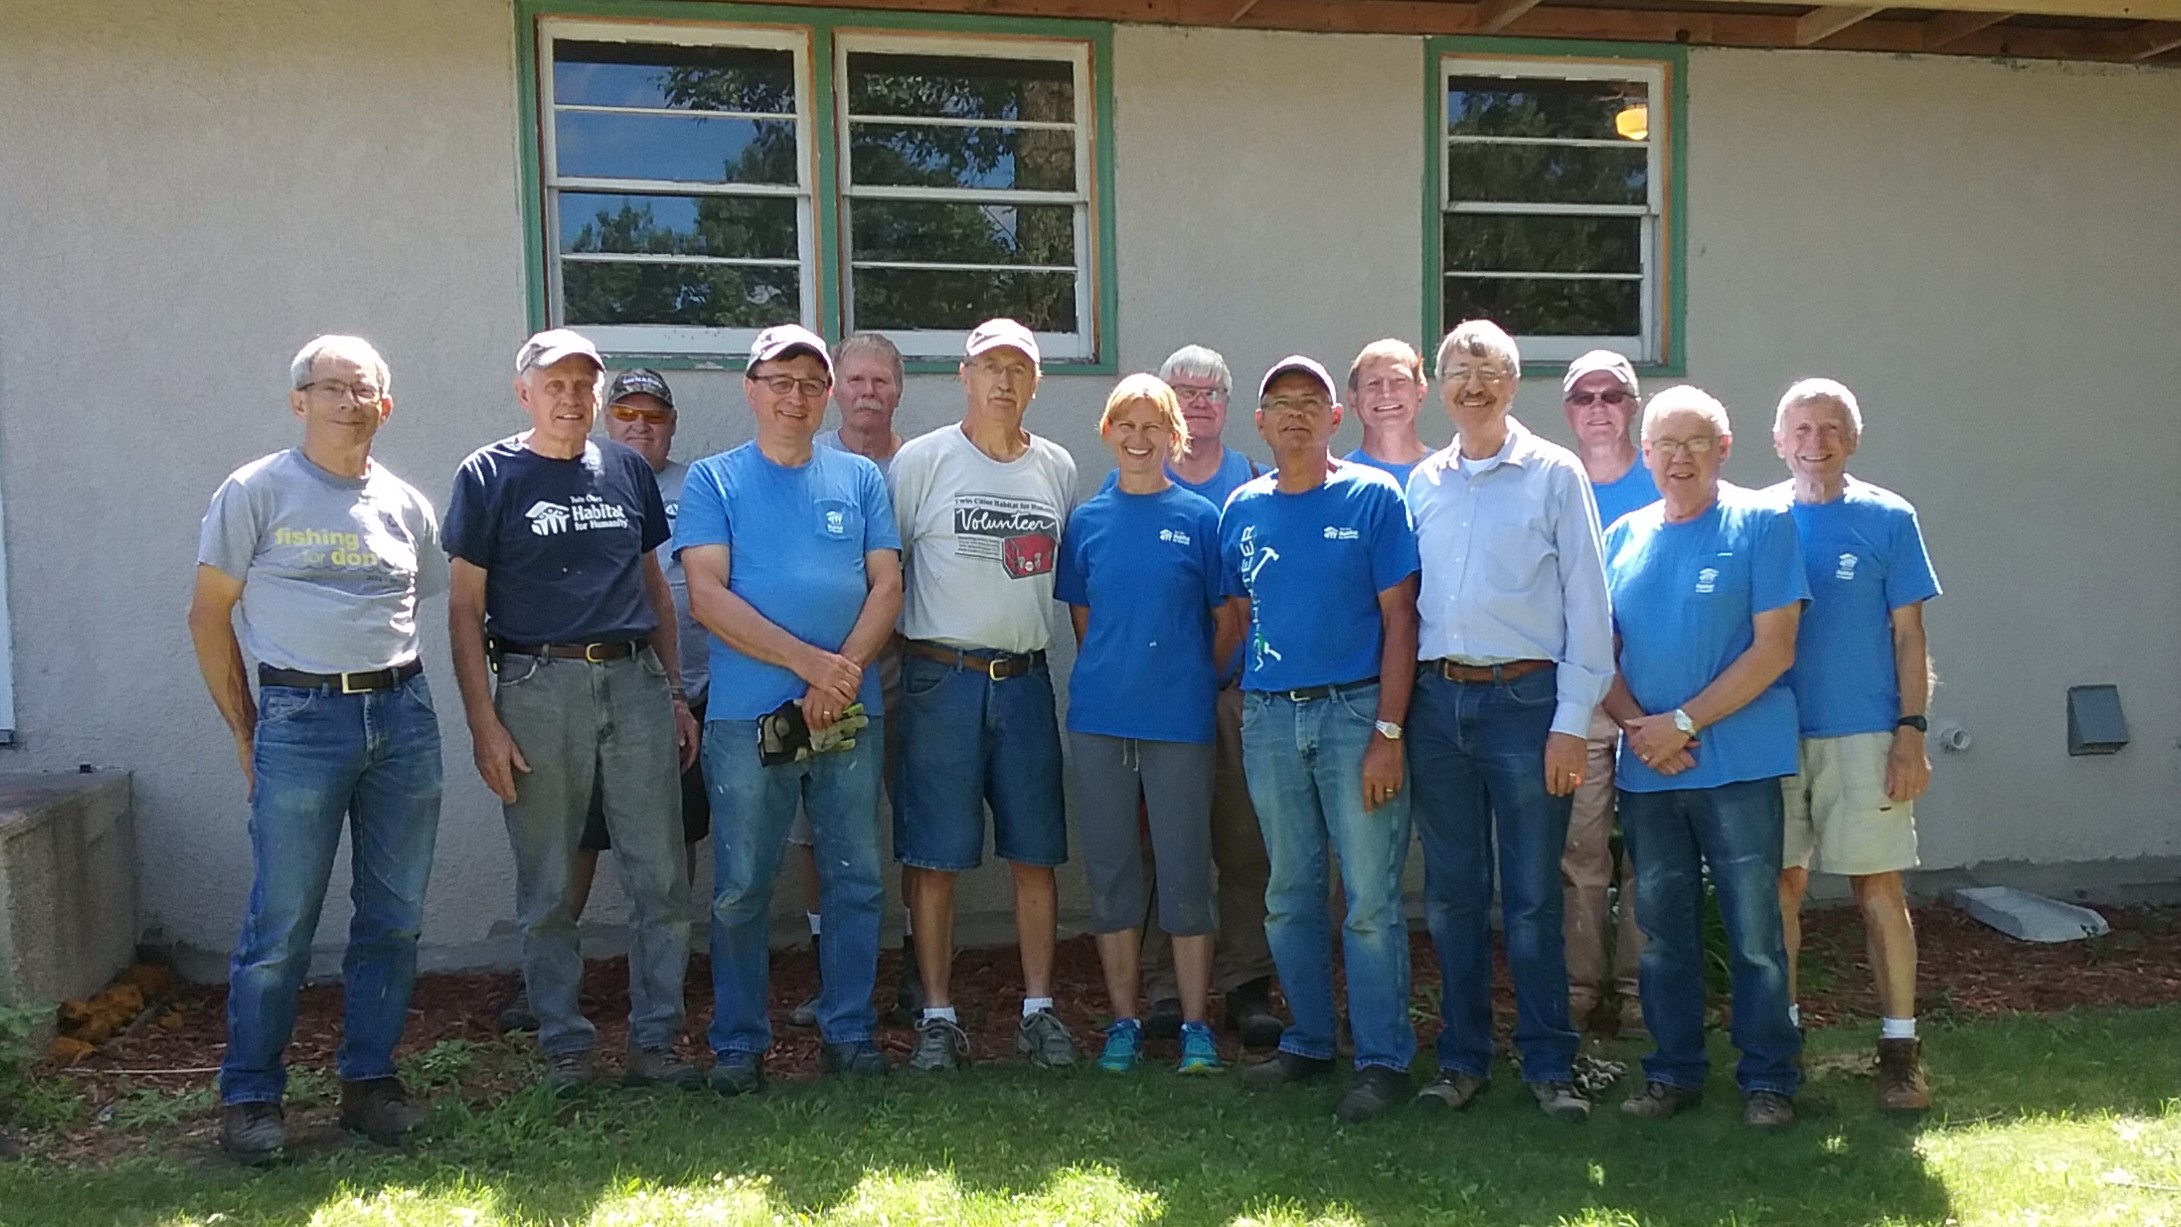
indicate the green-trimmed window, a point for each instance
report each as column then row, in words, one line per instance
column 1555, row 207
column 701, row 182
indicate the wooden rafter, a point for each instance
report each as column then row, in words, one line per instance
column 1496, row 15
column 1243, row 10
column 1822, row 23
column 2159, row 37
column 1947, row 29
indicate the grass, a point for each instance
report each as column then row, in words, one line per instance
column 2057, row 1120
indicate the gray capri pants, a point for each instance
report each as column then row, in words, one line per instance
column 1173, row 781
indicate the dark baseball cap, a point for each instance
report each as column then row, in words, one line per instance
column 641, row 380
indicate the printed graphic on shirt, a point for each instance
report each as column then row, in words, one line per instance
column 1023, row 535
column 1845, row 568
column 1255, row 561
column 327, row 548
column 1707, row 580
column 1175, row 535
column 583, row 512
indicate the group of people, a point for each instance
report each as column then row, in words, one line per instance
column 1502, row 645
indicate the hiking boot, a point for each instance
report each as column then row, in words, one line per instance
column 1451, row 1090
column 254, row 1133
column 1632, row 1027
column 1582, row 1003
column 1769, row 1111
column 1249, row 1014
column 1561, row 1101
column 1901, row 1085
column 516, row 1015
column 379, row 1109
column 1199, row 1050
column 737, row 1073
column 659, row 1067
column 1659, row 1100
column 1124, row 1044
column 1163, row 1022
column 806, row 1014
column 1284, row 1069
column 940, row 1044
column 853, row 1059
column 909, row 993
column 1374, row 1089
column 567, row 1073
column 1045, row 1039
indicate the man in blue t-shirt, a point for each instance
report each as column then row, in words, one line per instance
column 1862, row 680
column 555, row 584
column 1707, row 589
column 1386, row 389
column 1324, row 551
column 794, row 565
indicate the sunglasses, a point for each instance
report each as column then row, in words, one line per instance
column 1611, row 396
column 630, row 413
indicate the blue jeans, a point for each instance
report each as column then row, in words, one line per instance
column 322, row 758
column 1477, row 755
column 1734, row 830
column 1304, row 761
column 966, row 742
column 752, row 807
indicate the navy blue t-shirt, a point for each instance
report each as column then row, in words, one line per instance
column 562, row 542
column 1147, row 568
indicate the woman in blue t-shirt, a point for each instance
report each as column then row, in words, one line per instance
column 1139, row 569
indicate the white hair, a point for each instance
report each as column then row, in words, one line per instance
column 1684, row 396
column 1806, row 390
column 1478, row 339
column 1197, row 362
column 353, row 347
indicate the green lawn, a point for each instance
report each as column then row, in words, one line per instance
column 2068, row 1120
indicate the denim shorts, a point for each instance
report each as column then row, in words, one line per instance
column 966, row 742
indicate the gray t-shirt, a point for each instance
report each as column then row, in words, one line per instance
column 980, row 538
column 331, row 567
column 832, row 439
column 695, row 641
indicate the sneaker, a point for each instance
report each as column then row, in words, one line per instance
column 379, row 1109
column 567, row 1073
column 1452, row 1090
column 1582, row 1003
column 1163, row 1022
column 909, row 992
column 254, row 1133
column 659, row 1067
column 1659, row 1100
column 853, row 1059
column 1045, row 1039
column 940, row 1044
column 1284, row 1069
column 1374, row 1089
column 806, row 1014
column 1769, row 1111
column 517, row 1015
column 1561, row 1101
column 1901, row 1085
column 1249, row 1014
column 1124, row 1043
column 737, row 1073
column 1199, row 1050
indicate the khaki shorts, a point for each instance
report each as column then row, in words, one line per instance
column 1839, row 819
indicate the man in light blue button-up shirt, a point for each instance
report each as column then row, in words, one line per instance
column 1516, row 646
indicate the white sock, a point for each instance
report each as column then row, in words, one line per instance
column 1896, row 1028
column 814, row 919
column 1031, row 1005
column 1794, row 1014
column 940, row 1011
column 908, row 923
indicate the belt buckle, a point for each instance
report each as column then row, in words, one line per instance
column 992, row 669
column 590, row 654
column 1297, row 696
column 348, row 689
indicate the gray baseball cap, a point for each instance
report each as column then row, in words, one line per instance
column 1600, row 360
column 1298, row 363
column 781, row 340
column 552, row 345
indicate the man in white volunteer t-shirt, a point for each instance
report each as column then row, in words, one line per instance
column 980, row 505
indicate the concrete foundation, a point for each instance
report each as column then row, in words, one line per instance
column 68, row 920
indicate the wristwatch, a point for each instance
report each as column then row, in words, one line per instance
column 1918, row 723
column 1389, row 730
column 1683, row 723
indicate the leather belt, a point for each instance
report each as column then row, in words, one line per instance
column 1304, row 694
column 999, row 666
column 1455, row 671
column 595, row 653
column 343, row 683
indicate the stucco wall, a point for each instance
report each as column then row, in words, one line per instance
column 1985, row 251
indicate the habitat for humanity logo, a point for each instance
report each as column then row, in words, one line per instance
column 1333, row 533
column 1846, row 567
column 1175, row 535
column 1707, row 580
column 579, row 514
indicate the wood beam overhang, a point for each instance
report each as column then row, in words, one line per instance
column 2158, row 38
column 1822, row 23
column 1947, row 29
column 1496, row 15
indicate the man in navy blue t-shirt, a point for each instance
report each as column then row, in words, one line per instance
column 1324, row 550
column 554, row 583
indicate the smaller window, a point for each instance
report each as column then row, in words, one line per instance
column 1553, row 202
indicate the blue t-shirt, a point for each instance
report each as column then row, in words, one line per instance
column 1636, row 488
column 1683, row 597
column 1234, row 469
column 1399, row 472
column 1313, row 565
column 795, row 541
column 562, row 542
column 1147, row 568
column 1864, row 553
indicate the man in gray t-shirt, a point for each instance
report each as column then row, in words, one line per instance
column 324, row 555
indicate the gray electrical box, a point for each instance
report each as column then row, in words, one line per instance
column 2095, row 724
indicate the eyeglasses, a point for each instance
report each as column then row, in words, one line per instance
column 1698, row 446
column 1190, row 392
column 1307, row 404
column 340, row 389
column 788, row 385
column 1483, row 374
column 1611, row 396
column 630, row 413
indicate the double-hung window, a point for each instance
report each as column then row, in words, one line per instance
column 1555, row 209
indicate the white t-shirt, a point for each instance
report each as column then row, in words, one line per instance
column 979, row 538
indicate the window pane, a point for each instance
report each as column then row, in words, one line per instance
column 683, row 149
column 750, row 227
column 1543, row 244
column 961, row 86
column 936, row 233
column 1548, row 308
column 892, row 155
column 890, row 298
column 1496, row 106
column 694, row 295
column 1547, row 174
column 684, row 78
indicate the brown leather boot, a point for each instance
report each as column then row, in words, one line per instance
column 1901, row 1086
